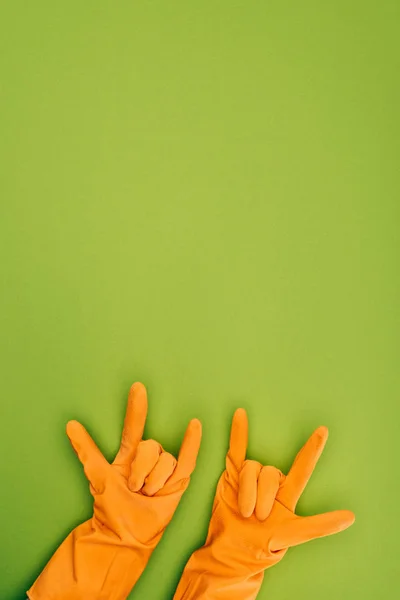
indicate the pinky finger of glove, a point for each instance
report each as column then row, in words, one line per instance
column 188, row 452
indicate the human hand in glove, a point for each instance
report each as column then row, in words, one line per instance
column 135, row 498
column 253, row 521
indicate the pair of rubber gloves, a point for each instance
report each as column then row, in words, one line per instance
column 253, row 522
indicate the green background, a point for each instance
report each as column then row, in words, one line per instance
column 203, row 196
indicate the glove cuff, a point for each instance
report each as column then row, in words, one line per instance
column 90, row 565
column 209, row 575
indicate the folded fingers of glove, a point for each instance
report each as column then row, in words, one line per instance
column 247, row 497
column 145, row 460
column 267, row 488
column 160, row 474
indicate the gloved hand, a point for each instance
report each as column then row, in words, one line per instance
column 253, row 522
column 135, row 498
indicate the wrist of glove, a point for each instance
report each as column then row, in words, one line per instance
column 92, row 564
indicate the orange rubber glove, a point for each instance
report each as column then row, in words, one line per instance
column 135, row 498
column 253, row 521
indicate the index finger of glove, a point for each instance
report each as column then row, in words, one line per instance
column 94, row 463
column 238, row 439
column 302, row 468
column 135, row 419
column 188, row 453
